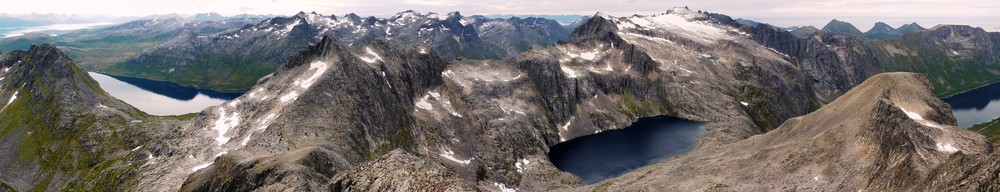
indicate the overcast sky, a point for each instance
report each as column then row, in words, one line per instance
column 863, row 13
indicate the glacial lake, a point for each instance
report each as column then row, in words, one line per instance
column 976, row 106
column 612, row 153
column 160, row 98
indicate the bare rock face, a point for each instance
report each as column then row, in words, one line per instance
column 400, row 171
column 881, row 136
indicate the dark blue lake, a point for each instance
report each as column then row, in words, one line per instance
column 976, row 106
column 612, row 153
column 158, row 97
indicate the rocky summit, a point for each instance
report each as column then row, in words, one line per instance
column 782, row 111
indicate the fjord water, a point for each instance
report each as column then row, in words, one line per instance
column 609, row 154
column 976, row 106
column 160, row 98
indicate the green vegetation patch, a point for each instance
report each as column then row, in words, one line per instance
column 990, row 129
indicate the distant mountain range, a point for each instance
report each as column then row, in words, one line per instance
column 880, row 31
column 562, row 19
column 228, row 54
column 99, row 48
column 234, row 59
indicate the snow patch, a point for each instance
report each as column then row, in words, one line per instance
column 288, row 28
column 590, row 56
column 423, row 104
column 521, row 165
column 223, row 124
column 371, row 56
column 920, row 119
column 566, row 126
column 744, row 103
column 320, row 67
column 503, row 188
column 199, row 167
column 266, row 121
column 290, row 97
column 569, row 72
column 450, row 155
column 946, row 147
column 655, row 39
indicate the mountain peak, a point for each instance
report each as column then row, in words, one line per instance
column 46, row 67
column 684, row 12
column 678, row 9
column 880, row 27
column 408, row 15
column 455, row 14
column 842, row 27
column 912, row 27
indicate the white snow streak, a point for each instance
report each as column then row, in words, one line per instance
column 450, row 155
column 920, row 119
column 320, row 67
column 12, row 98
column 371, row 57
column 202, row 166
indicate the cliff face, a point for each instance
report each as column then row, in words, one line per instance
column 881, row 136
